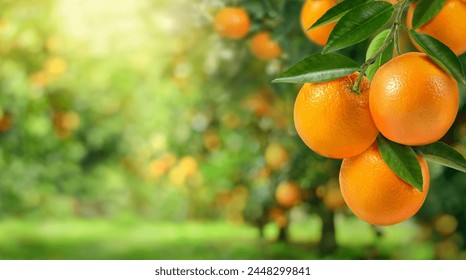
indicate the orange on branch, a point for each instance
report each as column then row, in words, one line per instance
column 445, row 224
column 375, row 194
column 288, row 194
column 412, row 100
column 276, row 156
column 333, row 199
column 5, row 123
column 264, row 47
column 232, row 22
column 334, row 121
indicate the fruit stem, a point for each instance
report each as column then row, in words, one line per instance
column 394, row 30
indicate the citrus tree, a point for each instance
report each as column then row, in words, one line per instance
column 383, row 116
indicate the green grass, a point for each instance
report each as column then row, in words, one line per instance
column 140, row 239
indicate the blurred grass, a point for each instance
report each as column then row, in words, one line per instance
column 137, row 239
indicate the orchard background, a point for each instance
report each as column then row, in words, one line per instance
column 131, row 130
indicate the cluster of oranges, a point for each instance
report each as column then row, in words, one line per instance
column 235, row 23
column 410, row 101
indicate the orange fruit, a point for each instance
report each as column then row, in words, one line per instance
column 278, row 215
column 161, row 165
column 334, row 121
column 5, row 123
column 392, row 1
column 264, row 47
column 288, row 194
column 259, row 102
column 211, row 140
column 233, row 23
column 375, row 193
column 333, row 199
column 412, row 100
column 188, row 164
column 65, row 123
column 448, row 26
column 311, row 11
column 276, row 156
column 445, row 224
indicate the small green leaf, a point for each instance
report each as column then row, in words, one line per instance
column 358, row 24
column 441, row 54
column 402, row 160
column 374, row 46
column 425, row 11
column 318, row 68
column 443, row 154
column 336, row 12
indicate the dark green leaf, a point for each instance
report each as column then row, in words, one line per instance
column 318, row 68
column 375, row 45
column 426, row 10
column 336, row 12
column 441, row 54
column 443, row 154
column 402, row 160
column 358, row 24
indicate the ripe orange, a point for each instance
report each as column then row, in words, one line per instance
column 334, row 121
column 211, row 140
column 392, row 1
column 161, row 165
column 65, row 123
column 375, row 193
column 448, row 25
column 312, row 10
column 333, row 199
column 288, row 194
column 259, row 102
column 278, row 215
column 187, row 168
column 5, row 123
column 276, row 156
column 264, row 47
column 412, row 100
column 445, row 224
column 233, row 23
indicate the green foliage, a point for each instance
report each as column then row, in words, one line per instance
column 337, row 12
column 402, row 160
column 318, row 68
column 374, row 47
column 358, row 24
column 426, row 10
column 443, row 154
column 441, row 54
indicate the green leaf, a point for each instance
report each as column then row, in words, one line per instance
column 318, row 68
column 441, row 54
column 386, row 55
column 358, row 24
column 443, row 154
column 336, row 12
column 402, row 160
column 425, row 11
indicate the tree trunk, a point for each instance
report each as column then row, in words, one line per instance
column 261, row 227
column 283, row 234
column 328, row 242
